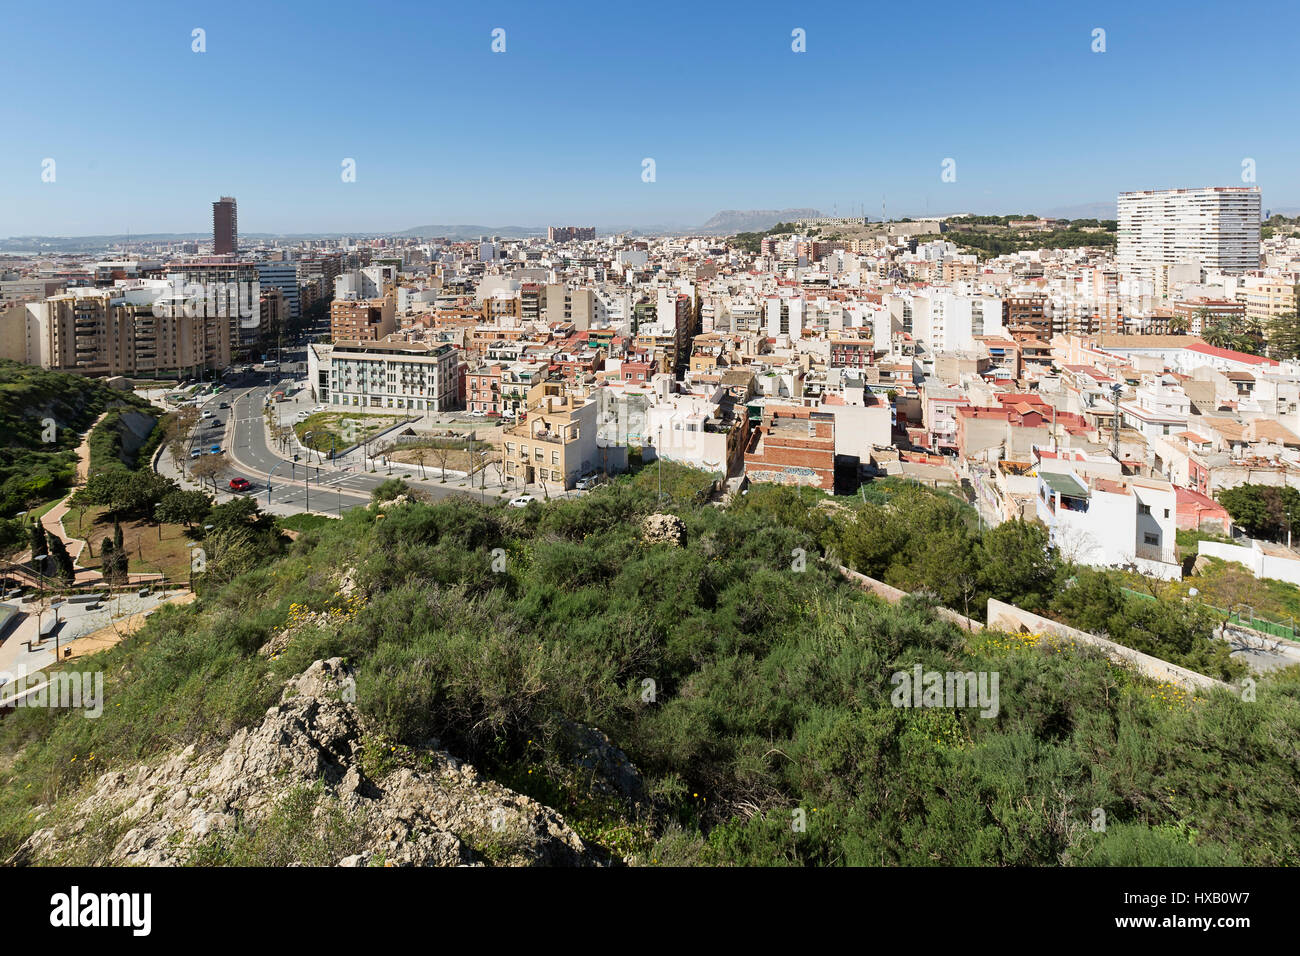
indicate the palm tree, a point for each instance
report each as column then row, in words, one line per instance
column 1178, row 325
column 1218, row 335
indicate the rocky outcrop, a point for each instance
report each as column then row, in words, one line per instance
column 663, row 529
column 613, row 772
column 440, row 812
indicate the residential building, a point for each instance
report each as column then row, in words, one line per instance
column 225, row 227
column 555, row 444
column 1213, row 229
column 387, row 375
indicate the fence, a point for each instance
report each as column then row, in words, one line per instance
column 1251, row 620
column 1257, row 623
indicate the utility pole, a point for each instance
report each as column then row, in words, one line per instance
column 660, row 457
column 1114, row 391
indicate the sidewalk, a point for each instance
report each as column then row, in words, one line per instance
column 352, row 464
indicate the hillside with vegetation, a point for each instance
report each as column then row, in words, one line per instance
column 989, row 236
column 43, row 416
column 679, row 699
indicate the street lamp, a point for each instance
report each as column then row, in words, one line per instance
column 55, row 608
column 659, row 442
column 1114, row 391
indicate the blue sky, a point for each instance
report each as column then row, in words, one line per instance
column 146, row 133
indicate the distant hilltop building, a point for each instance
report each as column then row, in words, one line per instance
column 832, row 221
column 225, row 227
column 1216, row 228
column 570, row 233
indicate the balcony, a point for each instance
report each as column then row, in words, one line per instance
column 1155, row 552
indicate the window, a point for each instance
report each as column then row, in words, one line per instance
column 1151, row 538
column 1144, row 509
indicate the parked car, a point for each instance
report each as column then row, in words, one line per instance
column 196, row 453
column 239, row 484
column 523, row 501
column 587, row 482
column 214, row 450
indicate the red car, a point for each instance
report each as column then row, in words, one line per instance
column 239, row 484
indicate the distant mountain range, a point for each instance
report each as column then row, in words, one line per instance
column 725, row 223
column 472, row 231
column 731, row 221
column 1088, row 210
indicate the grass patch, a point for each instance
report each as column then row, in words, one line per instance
column 341, row 429
column 152, row 547
column 304, row 522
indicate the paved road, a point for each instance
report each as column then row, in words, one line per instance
column 241, row 432
column 1260, row 652
column 297, row 486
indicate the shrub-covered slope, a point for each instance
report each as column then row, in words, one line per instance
column 709, row 703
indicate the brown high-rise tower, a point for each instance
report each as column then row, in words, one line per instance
column 225, row 227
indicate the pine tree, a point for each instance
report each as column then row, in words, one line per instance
column 39, row 546
column 107, row 560
column 62, row 561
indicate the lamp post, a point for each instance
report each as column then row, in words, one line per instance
column 306, row 440
column 55, row 608
column 1114, row 391
column 659, row 442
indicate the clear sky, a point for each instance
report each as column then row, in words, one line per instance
column 145, row 133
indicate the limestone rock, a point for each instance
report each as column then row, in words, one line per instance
column 441, row 814
column 593, row 750
column 663, row 529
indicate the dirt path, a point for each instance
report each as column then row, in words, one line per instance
column 53, row 519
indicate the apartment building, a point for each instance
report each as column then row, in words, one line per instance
column 1215, row 228
column 556, row 443
column 851, row 352
column 321, row 270
column 282, row 276
column 386, row 375
column 365, row 320
column 1269, row 297
column 1200, row 313
column 107, row 332
column 570, row 233
column 1110, row 522
column 225, row 227
column 578, row 306
column 369, row 282
column 793, row 446
column 215, row 273
column 21, row 332
column 1025, row 316
column 483, row 390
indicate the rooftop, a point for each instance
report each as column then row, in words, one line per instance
column 1063, row 484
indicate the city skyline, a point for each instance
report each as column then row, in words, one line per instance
column 732, row 120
